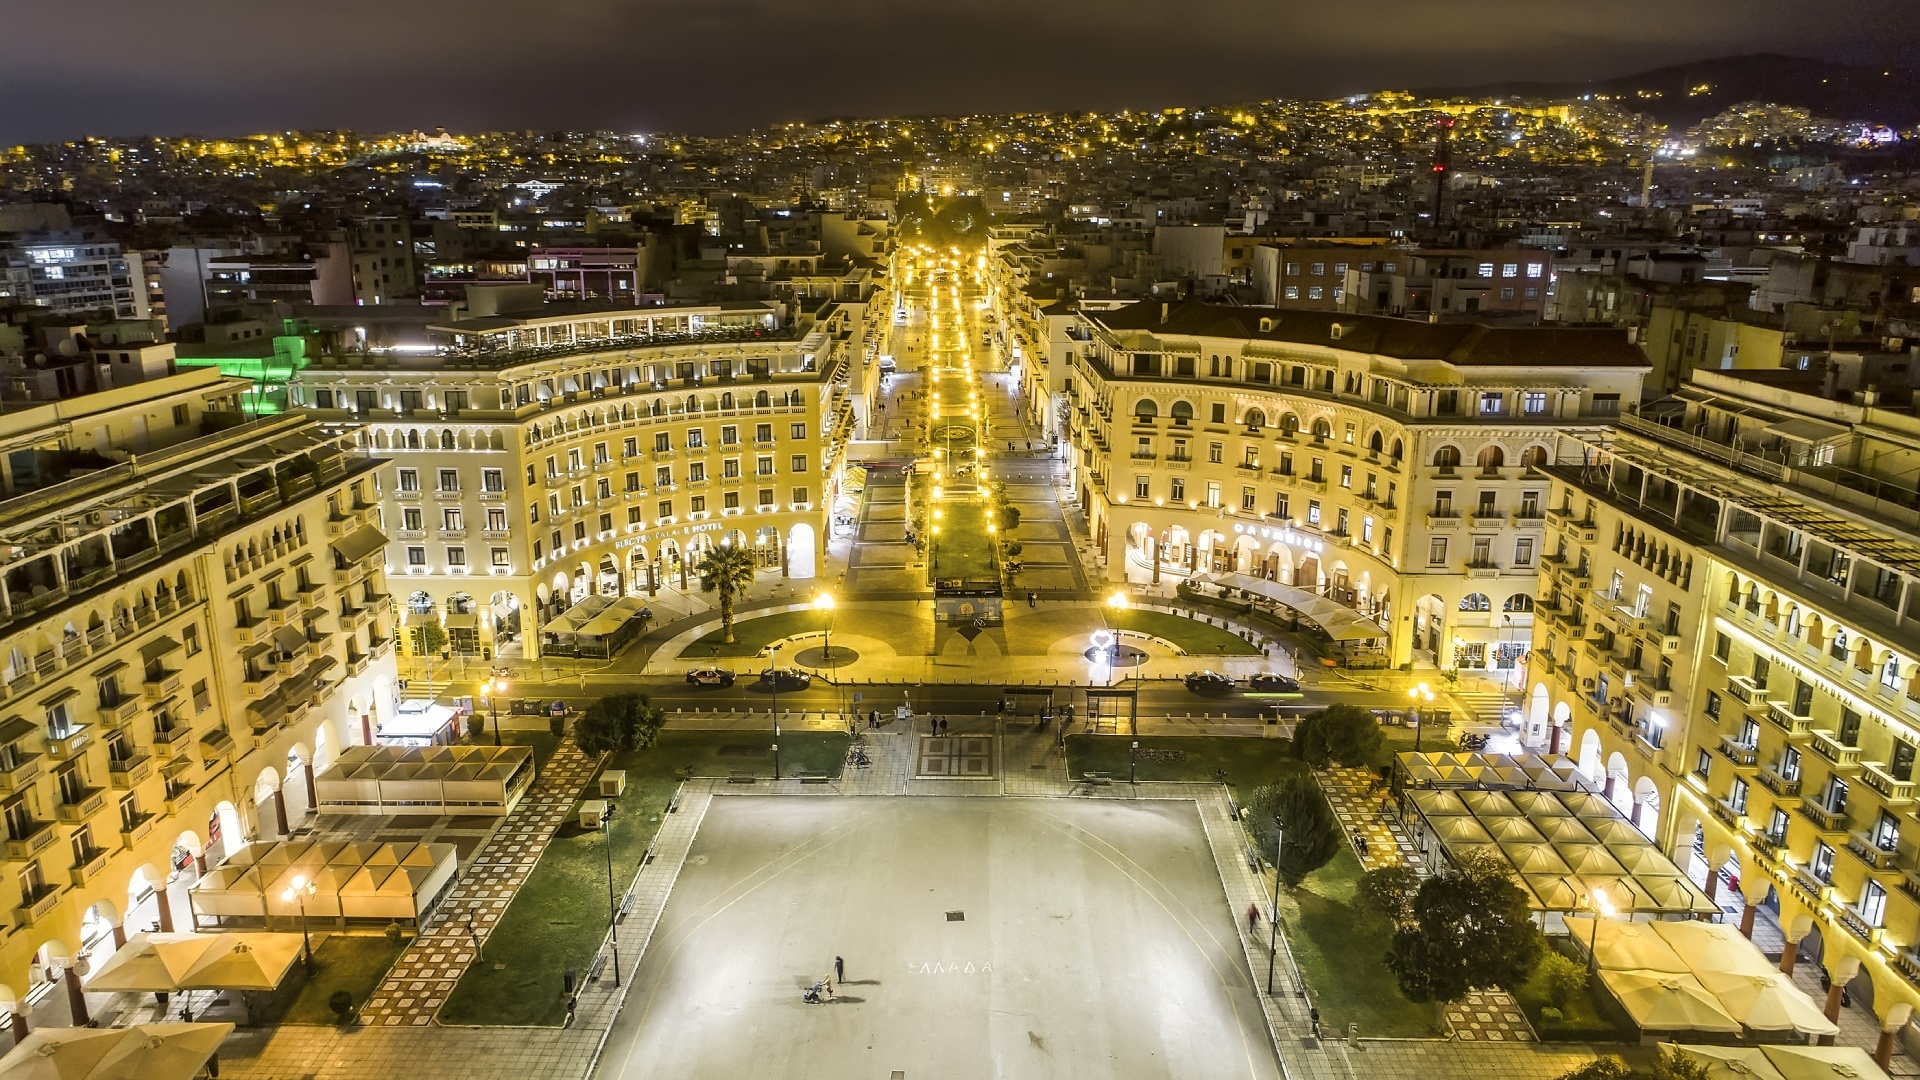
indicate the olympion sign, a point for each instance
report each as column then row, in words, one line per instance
column 1285, row 536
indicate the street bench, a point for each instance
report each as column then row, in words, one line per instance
column 742, row 776
column 813, row 777
column 1097, row 778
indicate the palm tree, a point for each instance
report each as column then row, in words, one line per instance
column 727, row 570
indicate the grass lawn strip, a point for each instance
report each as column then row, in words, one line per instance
column 559, row 916
column 352, row 962
column 754, row 634
column 966, row 549
column 1341, row 953
column 1249, row 763
column 1197, row 638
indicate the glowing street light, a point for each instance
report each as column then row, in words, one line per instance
column 1602, row 908
column 1419, row 695
column 824, row 603
column 298, row 890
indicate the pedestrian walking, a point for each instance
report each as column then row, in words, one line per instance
column 1253, row 918
column 840, row 969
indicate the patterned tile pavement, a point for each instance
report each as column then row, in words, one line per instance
column 421, row 979
column 1488, row 1016
column 1358, row 805
column 955, row 757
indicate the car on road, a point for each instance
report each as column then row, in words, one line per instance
column 1272, row 682
column 1207, row 681
column 786, row 678
column 710, row 676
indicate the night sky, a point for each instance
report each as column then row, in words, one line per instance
column 222, row 67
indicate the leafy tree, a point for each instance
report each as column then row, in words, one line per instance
column 1561, row 977
column 1311, row 837
column 1389, row 892
column 1601, row 1068
column 1670, row 1065
column 1007, row 517
column 1347, row 734
column 428, row 636
column 616, row 723
column 1471, row 928
column 727, row 570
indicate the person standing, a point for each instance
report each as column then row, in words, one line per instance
column 840, row 969
column 1253, row 918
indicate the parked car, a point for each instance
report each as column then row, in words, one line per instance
column 1272, row 682
column 1208, row 681
column 786, row 678
column 710, row 676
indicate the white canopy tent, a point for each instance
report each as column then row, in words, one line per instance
column 349, row 881
column 1340, row 622
column 463, row 779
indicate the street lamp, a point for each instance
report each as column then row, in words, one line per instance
column 1273, row 940
column 1601, row 908
column 824, row 603
column 1418, row 695
column 298, row 890
column 613, row 909
column 773, row 680
column 1133, row 763
column 491, row 691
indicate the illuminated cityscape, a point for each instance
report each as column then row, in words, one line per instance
column 1277, row 584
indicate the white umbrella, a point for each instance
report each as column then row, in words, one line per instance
column 161, row 1052
column 1626, row 946
column 1769, row 1002
column 1714, row 947
column 57, row 1054
column 1731, row 1062
column 253, row 961
column 1664, row 1001
column 1823, row 1063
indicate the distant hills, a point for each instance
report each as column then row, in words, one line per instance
column 1886, row 95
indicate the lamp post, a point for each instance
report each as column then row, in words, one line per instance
column 1418, row 695
column 1512, row 669
column 773, row 679
column 298, row 890
column 491, row 692
column 1133, row 762
column 1273, row 920
column 613, row 909
column 1598, row 904
column 824, row 603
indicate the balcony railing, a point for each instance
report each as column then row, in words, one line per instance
column 1892, row 790
column 1823, row 819
column 1842, row 756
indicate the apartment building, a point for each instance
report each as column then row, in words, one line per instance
column 71, row 273
column 1390, row 465
column 1729, row 636
column 186, row 634
column 539, row 460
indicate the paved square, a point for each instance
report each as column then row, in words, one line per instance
column 955, row 757
column 1095, row 942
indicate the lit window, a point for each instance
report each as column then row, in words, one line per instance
column 1534, row 270
column 1486, row 270
column 1508, row 270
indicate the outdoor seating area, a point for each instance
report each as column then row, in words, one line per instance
column 1566, row 846
column 459, row 779
column 335, row 881
column 1783, row 1062
column 174, row 963
column 1673, row 976
column 1518, row 772
column 596, row 628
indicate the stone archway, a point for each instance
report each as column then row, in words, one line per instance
column 801, row 555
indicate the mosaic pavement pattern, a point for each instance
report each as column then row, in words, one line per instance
column 955, row 757
column 1488, row 1016
column 1357, row 804
column 424, row 975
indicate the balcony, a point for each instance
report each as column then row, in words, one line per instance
column 88, row 867
column 63, row 744
column 1844, row 758
column 1876, row 857
column 37, row 906
column 1771, row 779
column 82, row 806
column 120, row 713
column 127, row 773
column 135, row 830
column 1825, row 820
column 173, row 742
column 1893, row 791
column 28, row 838
column 1443, row 519
column 1782, row 716
column 1742, row 755
column 1859, row 927
column 1748, row 693
column 161, row 685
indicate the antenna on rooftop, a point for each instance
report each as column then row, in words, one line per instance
column 1442, row 165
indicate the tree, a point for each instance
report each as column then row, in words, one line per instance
column 1561, row 977
column 1347, row 734
column 1471, row 927
column 1008, row 517
column 1600, row 1068
column 1311, row 836
column 727, row 570
column 618, row 722
column 1389, row 892
column 429, row 637
column 1670, row 1065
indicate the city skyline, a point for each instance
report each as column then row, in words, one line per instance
column 597, row 66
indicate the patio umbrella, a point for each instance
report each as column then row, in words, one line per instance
column 1530, row 859
column 1769, row 1002
column 1823, row 1062
column 149, row 963
column 1513, row 830
column 1627, row 946
column 1590, row 860
column 1665, row 1001
column 57, row 1053
column 161, row 1052
column 1433, row 804
column 1489, row 804
column 1539, row 804
column 1714, row 947
column 1672, row 893
column 244, row 962
column 1555, row 891
column 1562, row 830
column 1731, row 1062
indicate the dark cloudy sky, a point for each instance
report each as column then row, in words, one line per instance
column 122, row 67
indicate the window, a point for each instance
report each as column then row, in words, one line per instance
column 493, row 480
column 1821, row 865
column 499, row 557
column 766, row 496
column 1722, row 645
column 1506, row 293
column 416, row 556
column 729, row 435
column 798, row 431
column 696, row 471
column 451, row 520
column 1340, row 522
column 1703, row 765
column 1313, row 511
column 1486, row 270
column 1890, row 673
column 409, row 479
column 1247, row 497
column 1509, row 270
column 1346, row 476
column 1437, row 551
column 449, row 480
column 696, row 438
column 1777, row 827
column 663, row 476
column 1873, row 903
column 763, row 433
column 799, row 463
column 730, row 500
column 1143, row 487
column 1216, row 452
column 1213, row 493
column 1293, row 292
column 1534, row 270
column 664, row 508
column 697, row 504
column 1523, row 551
column 1712, row 706
column 730, row 469
column 456, row 556
column 763, row 466
column 1319, row 269
column 1492, row 403
column 1737, row 797
column 1179, row 489
column 1218, row 413
column 1315, row 292
column 1293, row 269
column 411, row 520
column 1606, row 404
column 800, row 496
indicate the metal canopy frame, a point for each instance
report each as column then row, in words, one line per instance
column 1131, row 695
